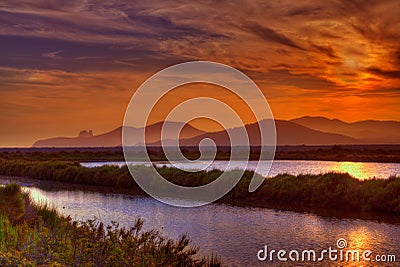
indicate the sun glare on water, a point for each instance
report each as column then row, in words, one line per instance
column 355, row 169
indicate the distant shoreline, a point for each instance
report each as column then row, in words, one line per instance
column 353, row 153
column 279, row 147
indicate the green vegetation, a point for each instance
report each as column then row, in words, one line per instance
column 48, row 239
column 64, row 154
column 67, row 171
column 12, row 201
column 304, row 192
column 336, row 191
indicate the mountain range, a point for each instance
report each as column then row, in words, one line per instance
column 301, row 131
column 114, row 137
column 370, row 131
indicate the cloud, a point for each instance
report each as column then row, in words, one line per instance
column 53, row 55
column 314, row 53
column 395, row 74
column 326, row 49
column 269, row 34
column 305, row 11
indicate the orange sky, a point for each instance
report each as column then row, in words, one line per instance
column 65, row 67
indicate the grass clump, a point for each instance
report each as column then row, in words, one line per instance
column 12, row 201
column 54, row 240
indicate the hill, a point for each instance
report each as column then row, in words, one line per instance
column 370, row 131
column 114, row 137
column 288, row 133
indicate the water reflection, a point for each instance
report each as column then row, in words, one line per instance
column 360, row 170
column 360, row 239
column 234, row 233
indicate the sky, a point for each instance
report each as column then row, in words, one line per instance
column 66, row 66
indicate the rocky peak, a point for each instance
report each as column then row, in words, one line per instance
column 85, row 134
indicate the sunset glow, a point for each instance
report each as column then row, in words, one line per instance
column 70, row 66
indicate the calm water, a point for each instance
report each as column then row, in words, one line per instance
column 234, row 233
column 361, row 170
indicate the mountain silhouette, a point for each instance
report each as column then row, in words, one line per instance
column 288, row 133
column 114, row 137
column 301, row 131
column 370, row 131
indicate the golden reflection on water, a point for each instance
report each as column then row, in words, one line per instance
column 356, row 169
column 360, row 240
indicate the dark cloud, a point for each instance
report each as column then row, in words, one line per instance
column 304, row 81
column 43, row 5
column 166, row 28
column 397, row 57
column 383, row 92
column 349, row 74
column 42, row 53
column 325, row 49
column 305, row 11
column 368, row 19
column 285, row 77
column 283, row 66
column 394, row 74
column 269, row 34
column 328, row 35
column 282, row 51
column 40, row 23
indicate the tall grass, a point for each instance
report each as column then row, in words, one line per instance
column 330, row 191
column 53, row 240
column 12, row 201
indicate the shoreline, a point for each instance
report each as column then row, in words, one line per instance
column 54, row 186
column 351, row 153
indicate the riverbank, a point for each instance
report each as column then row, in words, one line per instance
column 330, row 191
column 44, row 237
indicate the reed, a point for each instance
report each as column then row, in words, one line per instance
column 50, row 239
